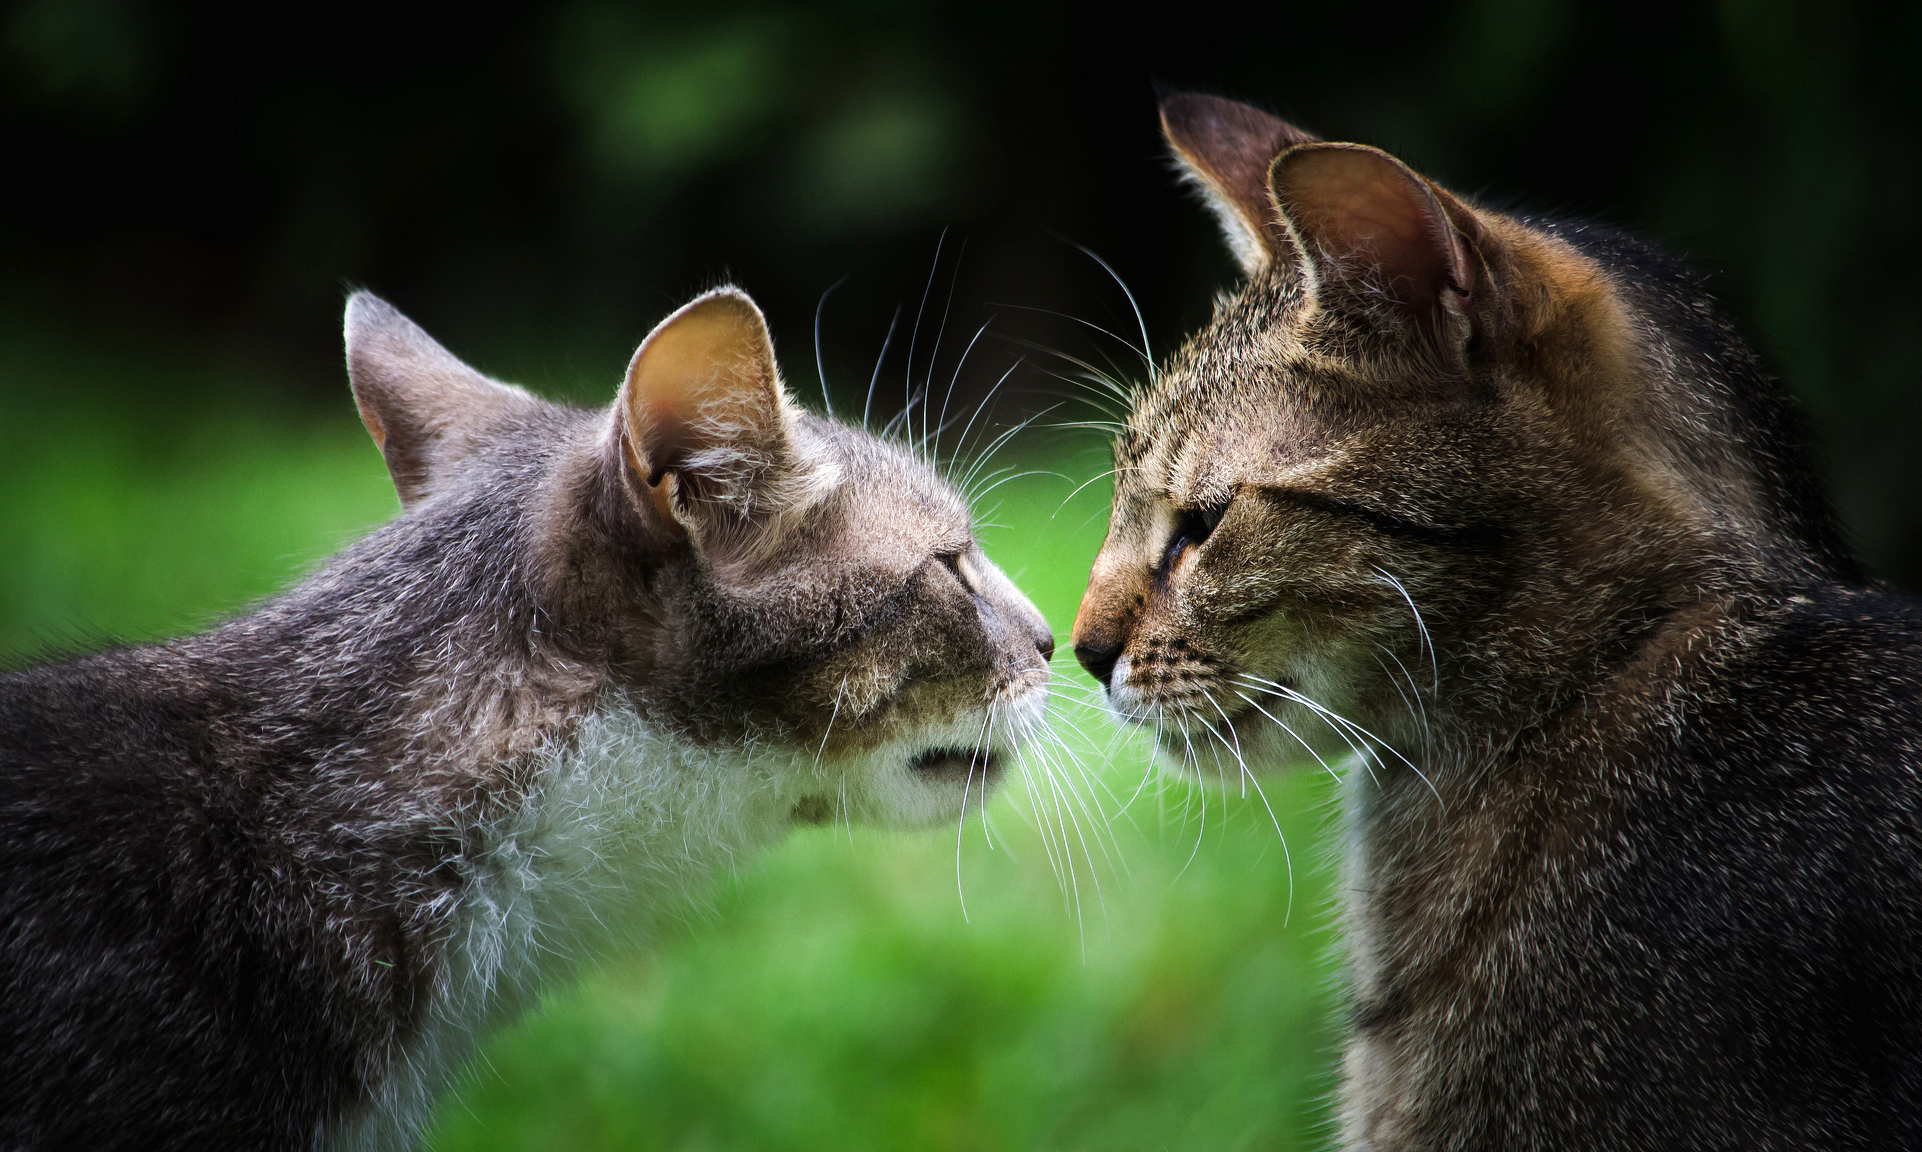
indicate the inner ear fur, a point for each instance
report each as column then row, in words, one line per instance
column 702, row 415
column 424, row 407
column 1364, row 224
column 1226, row 147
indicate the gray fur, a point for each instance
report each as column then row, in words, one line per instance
column 266, row 886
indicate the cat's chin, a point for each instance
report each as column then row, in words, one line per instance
column 930, row 776
column 973, row 772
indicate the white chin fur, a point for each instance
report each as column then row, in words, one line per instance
column 884, row 786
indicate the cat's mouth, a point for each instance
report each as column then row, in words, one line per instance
column 958, row 764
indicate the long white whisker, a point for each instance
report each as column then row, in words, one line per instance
column 1433, row 664
column 875, row 377
column 1338, row 719
column 941, row 422
column 961, row 442
column 1285, row 728
column 920, row 313
column 820, row 370
column 1147, row 355
column 1248, row 778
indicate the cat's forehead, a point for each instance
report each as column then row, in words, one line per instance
column 1239, row 397
column 890, row 492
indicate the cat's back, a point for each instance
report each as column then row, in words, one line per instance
column 196, row 882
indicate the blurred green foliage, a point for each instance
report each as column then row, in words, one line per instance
column 543, row 179
column 125, row 515
column 540, row 182
column 1101, row 960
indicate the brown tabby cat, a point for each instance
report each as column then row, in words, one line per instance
column 1635, row 847
column 266, row 887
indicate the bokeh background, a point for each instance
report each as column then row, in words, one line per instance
column 190, row 190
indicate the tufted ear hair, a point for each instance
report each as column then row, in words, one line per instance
column 1367, row 230
column 424, row 408
column 706, row 431
column 1226, row 147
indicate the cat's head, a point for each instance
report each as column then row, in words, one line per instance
column 1430, row 470
column 754, row 580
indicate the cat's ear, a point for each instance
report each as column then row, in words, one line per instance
column 424, row 408
column 1368, row 231
column 1226, row 148
column 704, row 426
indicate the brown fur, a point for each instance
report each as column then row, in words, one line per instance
column 1500, row 512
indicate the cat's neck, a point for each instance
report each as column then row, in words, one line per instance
column 620, row 831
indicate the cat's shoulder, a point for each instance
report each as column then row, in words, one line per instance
column 1828, row 678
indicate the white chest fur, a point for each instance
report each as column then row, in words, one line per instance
column 622, row 826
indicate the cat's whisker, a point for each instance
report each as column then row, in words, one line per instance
column 874, row 378
column 832, row 717
column 1248, row 778
column 954, row 378
column 1434, row 664
column 961, row 442
column 1146, row 353
column 820, row 368
column 1090, row 806
column 1090, row 373
column 1110, row 412
column 1149, row 773
column 934, row 354
column 1189, row 755
column 920, row 313
column 1411, row 700
column 961, row 823
column 998, row 443
column 847, row 817
column 1117, row 338
column 904, row 419
column 1063, row 817
column 1109, row 427
column 1009, row 478
column 1336, row 718
column 1033, row 817
column 931, row 443
column 1326, row 767
column 1328, row 717
column 1079, row 488
column 980, row 745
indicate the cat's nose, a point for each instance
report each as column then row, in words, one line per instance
column 1044, row 644
column 1098, row 658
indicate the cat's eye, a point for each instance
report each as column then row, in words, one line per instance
column 1192, row 528
column 952, row 562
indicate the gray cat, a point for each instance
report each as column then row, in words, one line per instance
column 265, row 887
column 1635, row 858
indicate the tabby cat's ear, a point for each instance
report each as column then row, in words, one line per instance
column 704, row 425
column 424, row 408
column 1367, row 230
column 1226, row 148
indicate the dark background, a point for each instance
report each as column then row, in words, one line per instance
column 539, row 183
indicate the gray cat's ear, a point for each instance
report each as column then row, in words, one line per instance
column 1369, row 231
column 703, row 422
column 424, row 408
column 1226, row 147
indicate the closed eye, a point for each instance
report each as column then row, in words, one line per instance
column 1192, row 528
column 952, row 562
column 1468, row 535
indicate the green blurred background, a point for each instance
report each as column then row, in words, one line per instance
column 191, row 190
